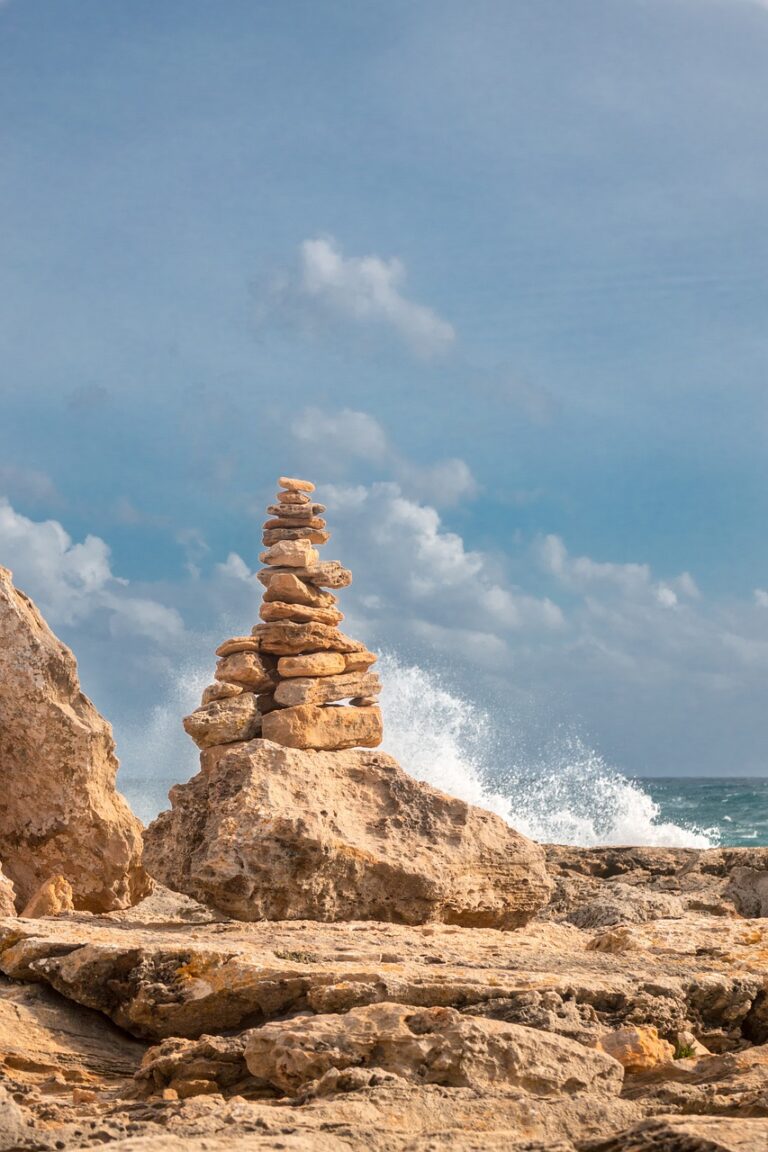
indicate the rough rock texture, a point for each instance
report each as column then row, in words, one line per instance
column 326, row 689
column 52, row 898
column 247, row 669
column 427, row 1046
column 288, row 639
column 682, row 1134
column 224, row 721
column 7, row 895
column 637, row 1049
column 313, row 664
column 310, row 726
column 59, row 810
column 268, row 831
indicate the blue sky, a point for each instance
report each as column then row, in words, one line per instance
column 494, row 274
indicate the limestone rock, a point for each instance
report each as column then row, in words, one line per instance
column 7, row 895
column 293, row 497
column 287, row 588
column 248, row 669
column 294, row 553
column 51, row 899
column 326, row 689
column 224, row 721
column 323, row 728
column 358, row 661
column 294, row 485
column 220, row 691
column 272, row 832
column 283, row 523
column 637, row 1049
column 428, row 1046
column 300, row 613
column 687, row 1134
column 312, row 664
column 292, row 511
column 60, row 812
column 272, row 536
column 326, row 574
column 287, row 638
column 237, row 644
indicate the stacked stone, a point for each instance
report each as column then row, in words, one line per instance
column 286, row 681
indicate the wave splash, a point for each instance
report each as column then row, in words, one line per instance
column 567, row 794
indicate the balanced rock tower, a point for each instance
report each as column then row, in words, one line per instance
column 285, row 681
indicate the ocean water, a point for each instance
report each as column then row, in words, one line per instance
column 562, row 791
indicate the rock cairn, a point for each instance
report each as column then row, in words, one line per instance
column 286, row 681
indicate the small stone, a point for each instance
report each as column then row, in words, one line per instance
column 278, row 522
column 84, row 1096
column 169, row 1094
column 326, row 574
column 293, row 553
column 285, row 638
column 248, row 669
column 638, row 1048
column 53, row 897
column 287, row 587
column 275, row 535
column 325, row 689
column 358, row 661
column 220, row 691
column 289, row 511
column 312, row 664
column 293, row 497
column 294, row 485
column 224, row 721
column 301, row 613
column 324, row 728
column 237, row 644
column 185, row 1089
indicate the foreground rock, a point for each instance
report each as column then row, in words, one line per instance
column 271, row 832
column 60, row 813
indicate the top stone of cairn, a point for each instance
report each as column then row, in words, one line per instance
column 296, row 680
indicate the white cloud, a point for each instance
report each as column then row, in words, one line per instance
column 18, row 482
column 71, row 582
column 761, row 597
column 354, row 434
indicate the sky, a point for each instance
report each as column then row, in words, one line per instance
column 492, row 274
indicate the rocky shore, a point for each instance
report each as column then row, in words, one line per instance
column 317, row 952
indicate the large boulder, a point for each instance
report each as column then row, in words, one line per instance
column 59, row 811
column 270, row 832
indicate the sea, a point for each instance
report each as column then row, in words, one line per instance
column 557, row 789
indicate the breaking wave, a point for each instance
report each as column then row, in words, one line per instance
column 565, row 793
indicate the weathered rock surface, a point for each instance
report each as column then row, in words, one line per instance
column 427, row 1046
column 295, row 485
column 288, row 588
column 683, row 1134
column 7, row 895
column 294, row 553
column 52, row 898
column 302, row 613
column 288, row 639
column 637, row 1049
column 326, row 689
column 268, row 831
column 248, row 669
column 326, row 574
column 312, row 664
column 311, row 726
column 224, row 721
column 220, row 691
column 59, row 810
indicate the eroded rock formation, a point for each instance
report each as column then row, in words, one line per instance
column 60, row 813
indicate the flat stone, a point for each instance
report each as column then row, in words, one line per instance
column 278, row 522
column 224, row 721
column 293, row 497
column 289, row 511
column 293, row 553
column 312, row 664
column 220, row 691
column 311, row 726
column 358, row 661
column 289, row 589
column 301, row 613
column 248, row 669
column 325, row 573
column 237, row 644
column 275, row 535
column 326, row 689
column 294, row 485
column 289, row 639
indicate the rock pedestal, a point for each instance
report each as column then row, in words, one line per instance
column 289, row 679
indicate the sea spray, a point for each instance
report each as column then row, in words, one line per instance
column 564, row 793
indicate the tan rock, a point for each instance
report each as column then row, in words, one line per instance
column 52, row 898
column 358, row 661
column 428, row 1046
column 266, row 702
column 7, row 896
column 313, row 535
column 224, row 721
column 326, row 689
column 637, row 1049
column 220, row 691
column 289, row 639
column 248, row 669
column 294, row 485
column 60, row 812
column 272, row 610
column 287, row 587
column 312, row 664
column 278, row 522
column 293, row 553
column 291, row 511
column 326, row 574
column 293, row 498
column 271, row 832
column 324, row 729
column 237, row 644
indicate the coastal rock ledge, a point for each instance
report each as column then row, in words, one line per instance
column 269, row 832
